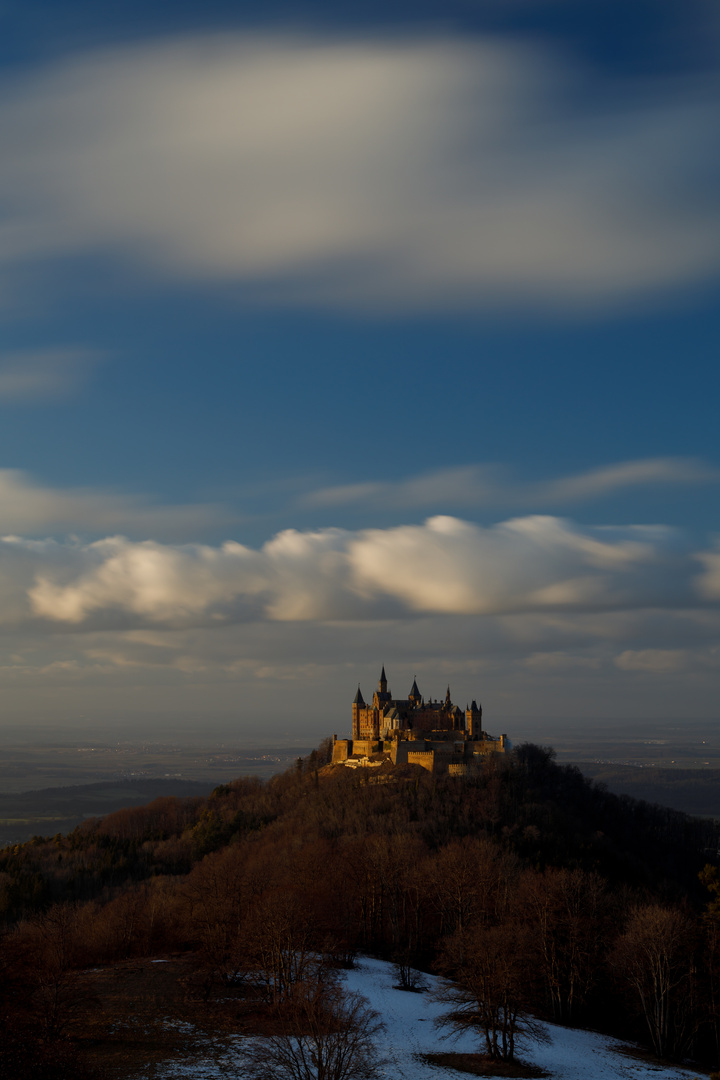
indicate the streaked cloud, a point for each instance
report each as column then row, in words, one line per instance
column 709, row 582
column 365, row 173
column 44, row 374
column 264, row 677
column 488, row 485
column 27, row 507
column 645, row 472
column 653, row 660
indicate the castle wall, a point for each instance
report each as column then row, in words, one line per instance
column 402, row 747
column 450, row 745
column 488, row 746
column 460, row 768
column 364, row 747
column 425, row 758
column 342, row 749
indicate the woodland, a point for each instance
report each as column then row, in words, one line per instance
column 536, row 892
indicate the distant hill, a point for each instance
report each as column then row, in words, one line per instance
column 694, row 791
column 49, row 811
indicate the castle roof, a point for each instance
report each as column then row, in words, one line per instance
column 414, row 692
column 358, row 699
column 382, row 675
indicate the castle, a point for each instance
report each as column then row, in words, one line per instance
column 435, row 734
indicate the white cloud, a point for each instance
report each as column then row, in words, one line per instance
column 446, row 566
column 487, row 485
column 364, row 173
column 148, row 580
column 449, row 565
column 533, row 609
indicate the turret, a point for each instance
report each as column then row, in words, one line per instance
column 358, row 704
column 473, row 721
column 415, row 695
column 383, row 681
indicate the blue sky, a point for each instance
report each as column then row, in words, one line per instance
column 328, row 340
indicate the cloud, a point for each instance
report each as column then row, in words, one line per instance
column 561, row 661
column 365, row 173
column 45, row 374
column 653, row 660
column 627, row 474
column 444, row 567
column 29, row 507
column 486, row 485
column 708, row 584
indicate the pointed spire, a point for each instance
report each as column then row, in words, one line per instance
column 358, row 699
column 414, row 694
column 383, row 681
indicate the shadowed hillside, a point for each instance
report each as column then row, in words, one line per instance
column 526, row 879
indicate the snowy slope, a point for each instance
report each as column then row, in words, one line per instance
column 571, row 1054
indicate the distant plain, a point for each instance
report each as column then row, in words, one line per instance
column 46, row 787
column 45, row 790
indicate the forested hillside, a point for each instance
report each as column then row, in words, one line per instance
column 555, row 896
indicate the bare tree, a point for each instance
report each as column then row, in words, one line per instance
column 489, row 991
column 567, row 910
column 50, row 945
column 655, row 957
column 324, row 1033
column 281, row 944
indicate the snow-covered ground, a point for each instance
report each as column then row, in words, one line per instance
column 570, row 1054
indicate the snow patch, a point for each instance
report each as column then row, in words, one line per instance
column 571, row 1054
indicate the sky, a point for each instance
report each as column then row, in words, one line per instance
column 333, row 339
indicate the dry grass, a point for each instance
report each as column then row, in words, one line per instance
column 649, row 1058
column 142, row 1013
column 481, row 1065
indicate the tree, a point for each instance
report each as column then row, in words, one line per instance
column 567, row 909
column 323, row 1033
column 490, row 988
column 281, row 945
column 51, row 953
column 655, row 957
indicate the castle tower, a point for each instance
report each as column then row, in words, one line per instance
column 473, row 721
column 383, row 682
column 358, row 704
column 448, row 702
column 414, row 694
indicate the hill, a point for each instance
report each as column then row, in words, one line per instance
column 693, row 791
column 60, row 809
column 526, row 874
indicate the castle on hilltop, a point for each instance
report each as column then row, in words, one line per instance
column 435, row 734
